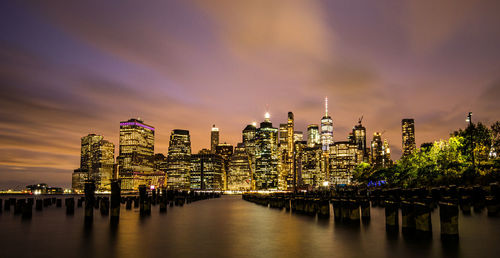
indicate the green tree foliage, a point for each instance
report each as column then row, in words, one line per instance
column 477, row 137
column 443, row 162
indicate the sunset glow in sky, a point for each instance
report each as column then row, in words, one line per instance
column 69, row 68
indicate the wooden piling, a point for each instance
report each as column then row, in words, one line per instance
column 116, row 200
column 448, row 214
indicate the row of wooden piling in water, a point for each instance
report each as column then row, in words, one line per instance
column 107, row 205
column 352, row 205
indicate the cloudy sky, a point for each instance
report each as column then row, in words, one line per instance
column 69, row 68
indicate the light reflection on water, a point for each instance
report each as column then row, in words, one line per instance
column 231, row 227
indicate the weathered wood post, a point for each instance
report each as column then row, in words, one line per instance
column 115, row 200
column 27, row 210
column 365, row 209
column 423, row 223
column 89, row 201
column 39, row 204
column 448, row 214
column 391, row 216
column 163, row 200
column 70, row 206
column 143, row 199
column 407, row 217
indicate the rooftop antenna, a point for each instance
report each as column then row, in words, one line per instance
column 326, row 106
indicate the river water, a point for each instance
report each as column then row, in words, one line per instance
column 231, row 227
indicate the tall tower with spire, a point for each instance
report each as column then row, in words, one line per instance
column 214, row 138
column 326, row 129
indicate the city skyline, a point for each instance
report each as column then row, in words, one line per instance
column 190, row 65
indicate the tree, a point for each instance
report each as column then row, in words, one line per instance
column 477, row 135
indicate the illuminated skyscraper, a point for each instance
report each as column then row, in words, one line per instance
column 224, row 150
column 266, row 159
column 239, row 173
column 179, row 160
column 290, row 136
column 313, row 137
column 298, row 136
column 96, row 162
column 386, row 153
column 103, row 164
column 376, row 155
column 408, row 133
column 214, row 138
column 311, row 175
column 206, row 171
column 326, row 129
column 136, row 152
column 249, row 134
column 380, row 152
column 283, row 136
column 88, row 150
column 343, row 160
column 359, row 139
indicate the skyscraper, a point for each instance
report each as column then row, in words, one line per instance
column 326, row 129
column 88, row 150
column 224, row 150
column 239, row 173
column 136, row 151
column 343, row 160
column 248, row 137
column 206, row 171
column 376, row 155
column 103, row 162
column 290, row 136
column 311, row 175
column 313, row 137
column 283, row 136
column 266, row 159
column 386, row 153
column 298, row 136
column 214, row 138
column 408, row 135
column 359, row 139
column 97, row 160
column 179, row 160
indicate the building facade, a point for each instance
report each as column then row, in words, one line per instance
column 239, row 172
column 343, row 160
column 266, row 158
column 97, row 159
column 136, row 150
column 225, row 151
column 326, row 129
column 248, row 137
column 179, row 160
column 408, row 136
column 214, row 138
column 313, row 136
column 206, row 171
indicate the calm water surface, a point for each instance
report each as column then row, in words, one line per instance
column 230, row 227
